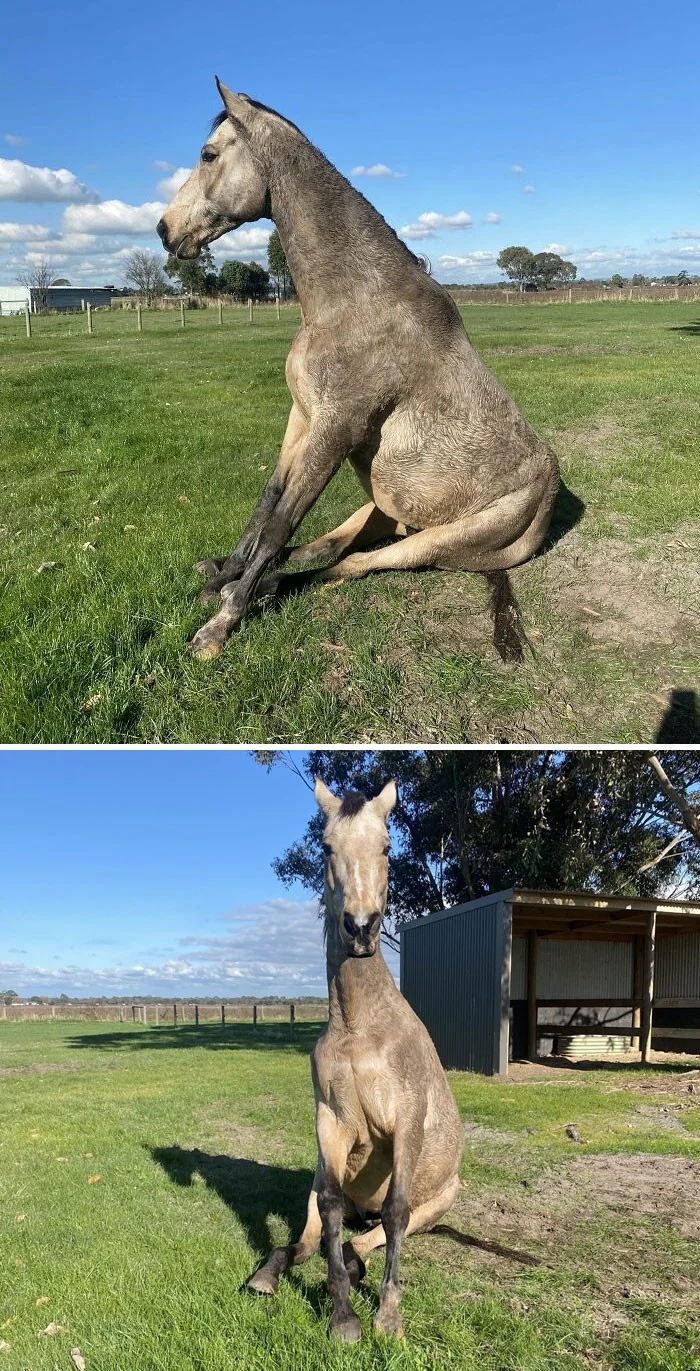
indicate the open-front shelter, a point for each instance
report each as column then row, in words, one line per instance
column 498, row 977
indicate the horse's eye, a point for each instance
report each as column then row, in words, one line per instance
column 386, row 850
column 208, row 155
column 327, row 848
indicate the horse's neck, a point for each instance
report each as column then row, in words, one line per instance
column 356, row 985
column 329, row 232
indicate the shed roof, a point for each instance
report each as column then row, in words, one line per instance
column 584, row 913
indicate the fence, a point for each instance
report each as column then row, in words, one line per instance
column 584, row 294
column 176, row 1012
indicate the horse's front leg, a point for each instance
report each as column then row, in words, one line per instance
column 221, row 570
column 313, row 464
column 334, row 1146
column 396, row 1212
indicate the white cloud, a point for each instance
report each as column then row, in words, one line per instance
column 113, row 216
column 21, row 182
column 528, row 190
column 478, row 262
column 23, row 233
column 378, row 169
column 163, row 166
column 492, row 218
column 15, row 140
column 518, row 171
column 559, row 248
column 685, row 233
column 428, row 225
column 171, row 185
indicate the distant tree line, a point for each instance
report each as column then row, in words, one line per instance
column 535, row 270
column 146, row 275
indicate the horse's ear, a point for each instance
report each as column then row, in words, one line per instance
column 325, row 799
column 235, row 105
column 386, row 799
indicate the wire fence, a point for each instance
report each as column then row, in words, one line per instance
column 173, row 1012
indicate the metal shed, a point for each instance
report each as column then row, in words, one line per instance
column 495, row 978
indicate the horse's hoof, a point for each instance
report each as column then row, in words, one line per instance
column 354, row 1265
column 389, row 1323
column 263, row 1282
column 207, row 595
column 347, row 1328
column 210, row 566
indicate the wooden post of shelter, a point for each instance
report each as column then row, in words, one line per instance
column 28, row 320
column 182, row 313
column 532, row 995
column 89, row 315
column 221, row 311
column 637, row 981
column 648, row 985
column 139, row 319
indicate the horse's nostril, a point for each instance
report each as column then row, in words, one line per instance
column 161, row 229
column 349, row 926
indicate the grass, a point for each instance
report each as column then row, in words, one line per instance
column 145, row 1172
column 125, row 457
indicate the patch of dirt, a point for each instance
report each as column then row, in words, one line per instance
column 665, row 1188
column 639, row 594
column 43, row 1069
column 476, row 1132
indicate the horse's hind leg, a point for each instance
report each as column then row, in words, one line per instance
column 266, row 1280
column 420, row 1220
column 365, row 527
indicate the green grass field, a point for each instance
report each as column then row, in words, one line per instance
column 145, row 1172
column 125, row 457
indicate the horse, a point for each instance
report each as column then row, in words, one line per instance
column 389, row 1135
column 381, row 373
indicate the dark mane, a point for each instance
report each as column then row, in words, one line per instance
column 353, row 801
column 222, row 116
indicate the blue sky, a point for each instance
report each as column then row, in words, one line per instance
column 597, row 105
column 149, row 872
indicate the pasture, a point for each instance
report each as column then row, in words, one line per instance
column 146, row 1171
column 125, row 457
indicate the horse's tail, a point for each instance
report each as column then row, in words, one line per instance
column 509, row 637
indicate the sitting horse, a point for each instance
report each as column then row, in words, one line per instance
column 389, row 1135
column 381, row 372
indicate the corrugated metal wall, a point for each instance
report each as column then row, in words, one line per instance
column 677, row 968
column 574, row 969
column 455, row 974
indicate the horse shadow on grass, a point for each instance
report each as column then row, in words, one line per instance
column 254, row 1191
column 681, row 721
column 212, row 1036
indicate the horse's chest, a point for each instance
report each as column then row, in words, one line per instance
column 362, row 1096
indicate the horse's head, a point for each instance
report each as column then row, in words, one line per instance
column 227, row 188
column 356, row 844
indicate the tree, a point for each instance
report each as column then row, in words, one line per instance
column 197, row 276
column 618, row 280
column 517, row 263
column 549, row 269
column 37, row 280
column 470, row 823
column 244, row 280
column 638, row 279
column 8, row 996
column 145, row 273
column 278, row 267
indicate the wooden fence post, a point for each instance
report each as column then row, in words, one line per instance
column 277, row 305
column 139, row 321
column 221, row 311
column 28, row 321
column 89, row 315
column 196, row 1016
column 133, row 1012
column 255, row 1016
column 182, row 313
column 223, row 1016
column 250, row 311
column 184, row 1016
column 175, row 1016
column 157, row 1015
column 291, row 1018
